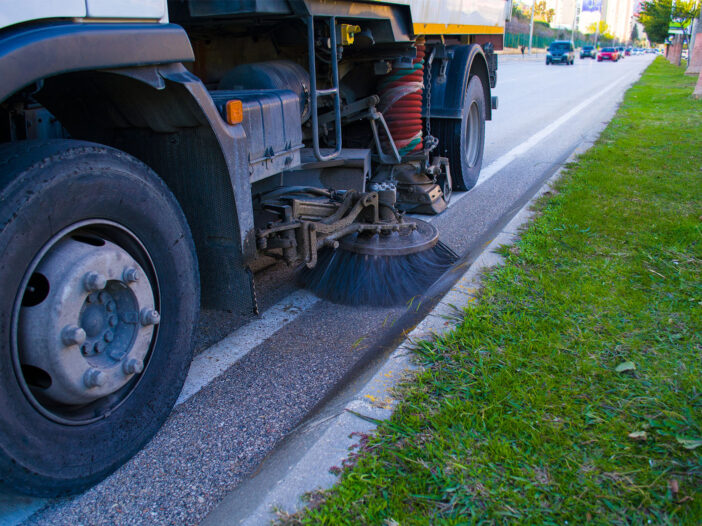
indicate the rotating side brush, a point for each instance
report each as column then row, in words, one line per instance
column 380, row 270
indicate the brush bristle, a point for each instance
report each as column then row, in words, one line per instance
column 358, row 279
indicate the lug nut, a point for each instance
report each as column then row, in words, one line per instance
column 103, row 297
column 113, row 319
column 108, row 336
column 93, row 378
column 110, row 306
column 72, row 335
column 149, row 317
column 99, row 347
column 85, row 349
column 130, row 275
column 132, row 366
column 94, row 281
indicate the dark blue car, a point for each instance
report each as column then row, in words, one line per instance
column 560, row 51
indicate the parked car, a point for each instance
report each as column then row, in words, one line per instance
column 560, row 51
column 627, row 52
column 608, row 53
column 588, row 51
column 621, row 51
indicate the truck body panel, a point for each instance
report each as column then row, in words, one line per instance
column 456, row 17
column 13, row 12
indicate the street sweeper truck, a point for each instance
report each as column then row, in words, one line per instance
column 151, row 152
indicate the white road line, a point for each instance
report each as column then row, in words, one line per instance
column 214, row 361
column 497, row 165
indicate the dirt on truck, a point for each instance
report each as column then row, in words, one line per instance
column 152, row 152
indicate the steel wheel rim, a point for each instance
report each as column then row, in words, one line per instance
column 472, row 135
column 105, row 405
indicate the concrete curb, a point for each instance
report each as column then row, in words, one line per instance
column 331, row 437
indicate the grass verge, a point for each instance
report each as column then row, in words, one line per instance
column 571, row 391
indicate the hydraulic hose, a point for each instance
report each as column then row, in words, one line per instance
column 401, row 94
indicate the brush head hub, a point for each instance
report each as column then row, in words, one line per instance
column 400, row 243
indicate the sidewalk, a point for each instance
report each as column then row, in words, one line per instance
column 514, row 54
column 526, row 58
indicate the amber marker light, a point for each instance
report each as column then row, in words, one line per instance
column 235, row 112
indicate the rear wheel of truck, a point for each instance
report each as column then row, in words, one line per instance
column 99, row 296
column 462, row 141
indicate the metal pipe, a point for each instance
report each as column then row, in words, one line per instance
column 531, row 24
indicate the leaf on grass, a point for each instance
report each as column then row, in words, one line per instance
column 638, row 435
column 689, row 443
column 625, row 366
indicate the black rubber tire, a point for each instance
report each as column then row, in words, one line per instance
column 46, row 186
column 453, row 136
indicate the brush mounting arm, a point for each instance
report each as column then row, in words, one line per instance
column 311, row 221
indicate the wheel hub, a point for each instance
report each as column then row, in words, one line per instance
column 87, row 320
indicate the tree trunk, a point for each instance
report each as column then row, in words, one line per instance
column 674, row 52
column 695, row 50
column 698, row 89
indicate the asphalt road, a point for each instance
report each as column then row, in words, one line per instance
column 253, row 388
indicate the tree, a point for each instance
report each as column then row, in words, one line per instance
column 684, row 13
column 655, row 16
column 542, row 12
column 634, row 33
column 605, row 31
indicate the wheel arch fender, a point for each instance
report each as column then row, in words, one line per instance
column 448, row 88
column 32, row 52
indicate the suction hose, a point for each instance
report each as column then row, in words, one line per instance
column 401, row 93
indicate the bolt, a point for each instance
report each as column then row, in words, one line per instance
column 99, row 347
column 72, row 335
column 94, row 281
column 132, row 366
column 130, row 275
column 103, row 297
column 94, row 378
column 113, row 319
column 149, row 317
column 108, row 336
column 110, row 306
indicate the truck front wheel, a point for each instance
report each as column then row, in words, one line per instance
column 99, row 296
column 462, row 140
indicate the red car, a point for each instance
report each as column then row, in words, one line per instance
column 608, row 53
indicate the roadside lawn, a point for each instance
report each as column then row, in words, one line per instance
column 571, row 392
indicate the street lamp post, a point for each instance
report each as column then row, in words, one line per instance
column 575, row 22
column 531, row 24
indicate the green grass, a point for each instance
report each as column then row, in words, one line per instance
column 530, row 410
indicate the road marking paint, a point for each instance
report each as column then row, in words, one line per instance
column 214, row 361
column 494, row 167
